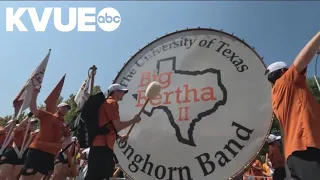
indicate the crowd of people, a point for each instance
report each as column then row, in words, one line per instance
column 271, row 166
column 50, row 152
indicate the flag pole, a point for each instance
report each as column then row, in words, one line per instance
column 315, row 76
column 91, row 75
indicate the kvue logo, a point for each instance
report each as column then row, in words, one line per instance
column 84, row 18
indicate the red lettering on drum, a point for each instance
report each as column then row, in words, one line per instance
column 186, row 94
column 183, row 114
column 163, row 78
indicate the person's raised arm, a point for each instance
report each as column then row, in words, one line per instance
column 33, row 102
column 307, row 53
column 119, row 125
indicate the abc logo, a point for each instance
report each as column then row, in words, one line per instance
column 109, row 19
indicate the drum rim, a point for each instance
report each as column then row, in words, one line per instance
column 211, row 30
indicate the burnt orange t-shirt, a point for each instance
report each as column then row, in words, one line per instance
column 51, row 131
column 297, row 110
column 34, row 135
column 18, row 136
column 109, row 111
column 275, row 156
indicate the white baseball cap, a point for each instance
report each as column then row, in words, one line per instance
column 272, row 138
column 37, row 130
column 116, row 87
column 276, row 66
column 63, row 105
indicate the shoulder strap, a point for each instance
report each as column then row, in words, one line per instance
column 110, row 122
column 67, row 146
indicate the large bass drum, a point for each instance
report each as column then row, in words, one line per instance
column 212, row 115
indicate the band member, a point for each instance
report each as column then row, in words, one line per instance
column 101, row 163
column 12, row 161
column 46, row 145
column 61, row 165
column 4, row 132
column 72, row 161
column 298, row 113
column 255, row 171
column 276, row 158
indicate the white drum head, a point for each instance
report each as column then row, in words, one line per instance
column 213, row 112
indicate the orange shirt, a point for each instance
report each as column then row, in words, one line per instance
column 18, row 136
column 52, row 129
column 297, row 110
column 277, row 160
column 109, row 111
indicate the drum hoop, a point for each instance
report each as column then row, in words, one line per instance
column 212, row 30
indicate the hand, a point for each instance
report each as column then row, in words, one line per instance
column 136, row 119
column 36, row 89
column 123, row 138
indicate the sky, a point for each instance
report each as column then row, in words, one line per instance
column 277, row 30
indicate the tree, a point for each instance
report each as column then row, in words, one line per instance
column 314, row 88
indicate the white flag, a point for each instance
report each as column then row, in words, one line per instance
column 83, row 93
column 22, row 101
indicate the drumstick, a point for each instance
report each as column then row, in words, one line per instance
column 115, row 174
column 152, row 92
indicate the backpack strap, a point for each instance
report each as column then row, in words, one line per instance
column 103, row 130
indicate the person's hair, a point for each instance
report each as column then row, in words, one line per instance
column 112, row 92
column 274, row 76
column 272, row 143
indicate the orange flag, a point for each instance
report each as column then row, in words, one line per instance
column 51, row 101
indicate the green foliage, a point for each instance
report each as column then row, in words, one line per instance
column 72, row 113
column 275, row 128
column 314, row 87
